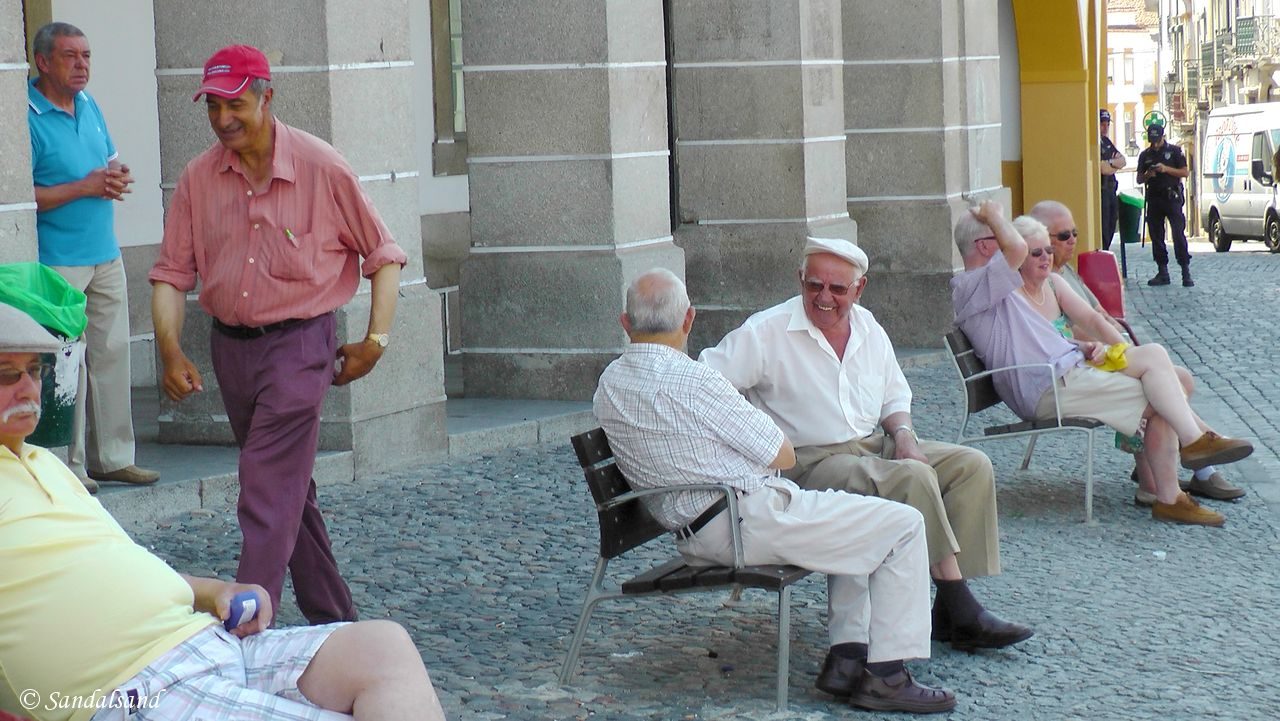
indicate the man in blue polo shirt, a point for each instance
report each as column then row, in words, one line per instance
column 77, row 176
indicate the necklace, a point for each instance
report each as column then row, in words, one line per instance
column 1032, row 298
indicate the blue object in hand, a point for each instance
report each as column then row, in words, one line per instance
column 244, row 607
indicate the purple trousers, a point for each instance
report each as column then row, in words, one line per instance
column 272, row 387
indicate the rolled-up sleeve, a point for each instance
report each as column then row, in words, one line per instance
column 176, row 264
column 365, row 232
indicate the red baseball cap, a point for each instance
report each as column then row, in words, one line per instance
column 228, row 72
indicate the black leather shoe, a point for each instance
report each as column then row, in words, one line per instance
column 1161, row 278
column 840, row 675
column 900, row 692
column 1186, row 279
column 988, row 631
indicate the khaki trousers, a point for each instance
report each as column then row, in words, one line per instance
column 872, row 551
column 955, row 492
column 102, row 431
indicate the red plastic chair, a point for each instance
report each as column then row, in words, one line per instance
column 1099, row 271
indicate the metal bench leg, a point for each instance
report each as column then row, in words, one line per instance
column 734, row 596
column 1026, row 457
column 594, row 596
column 784, row 645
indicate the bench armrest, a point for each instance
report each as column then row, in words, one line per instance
column 1053, row 385
column 730, row 493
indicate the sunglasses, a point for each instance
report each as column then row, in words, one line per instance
column 1066, row 235
column 9, row 376
column 817, row 286
column 1037, row 252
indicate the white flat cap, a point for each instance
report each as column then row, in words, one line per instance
column 838, row 247
column 20, row 334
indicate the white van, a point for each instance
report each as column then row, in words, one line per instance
column 1238, row 187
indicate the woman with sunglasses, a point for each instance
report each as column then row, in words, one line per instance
column 1054, row 300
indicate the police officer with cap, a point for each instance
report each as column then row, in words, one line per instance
column 1162, row 166
column 1112, row 160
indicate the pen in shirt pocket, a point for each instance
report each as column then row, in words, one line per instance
column 292, row 238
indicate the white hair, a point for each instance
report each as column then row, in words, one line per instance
column 1029, row 228
column 656, row 302
column 968, row 229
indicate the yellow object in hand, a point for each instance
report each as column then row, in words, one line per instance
column 1113, row 359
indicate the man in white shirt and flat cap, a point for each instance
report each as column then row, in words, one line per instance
column 822, row 367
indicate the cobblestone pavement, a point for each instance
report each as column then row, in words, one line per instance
column 486, row 559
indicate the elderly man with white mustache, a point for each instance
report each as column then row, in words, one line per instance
column 823, row 368
column 157, row 640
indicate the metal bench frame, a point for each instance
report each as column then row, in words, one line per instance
column 980, row 394
column 626, row 524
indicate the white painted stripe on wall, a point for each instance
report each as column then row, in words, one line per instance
column 562, row 66
column 765, row 141
column 947, row 196
column 393, row 175
column 631, row 244
column 481, row 159
column 15, row 207
column 922, row 61
column 922, row 129
column 379, row 65
column 14, row 66
column 545, row 351
column 759, row 63
column 362, row 178
column 750, row 221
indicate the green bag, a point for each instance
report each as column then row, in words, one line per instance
column 41, row 293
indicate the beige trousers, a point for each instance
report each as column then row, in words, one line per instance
column 955, row 492
column 872, row 551
column 102, row 432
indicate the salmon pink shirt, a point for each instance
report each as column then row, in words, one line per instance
column 291, row 250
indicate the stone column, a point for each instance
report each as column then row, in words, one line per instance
column 566, row 126
column 922, row 109
column 759, row 122
column 17, row 199
column 341, row 71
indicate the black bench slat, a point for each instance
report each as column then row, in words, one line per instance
column 648, row 581
column 771, row 577
column 686, row 577
column 591, row 447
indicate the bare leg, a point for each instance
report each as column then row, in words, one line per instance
column 372, row 671
column 946, row 570
column 1146, row 478
column 1160, row 383
column 1160, row 451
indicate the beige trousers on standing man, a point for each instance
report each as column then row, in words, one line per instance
column 955, row 492
column 102, row 432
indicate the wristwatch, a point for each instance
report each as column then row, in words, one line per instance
column 908, row 429
column 382, row 339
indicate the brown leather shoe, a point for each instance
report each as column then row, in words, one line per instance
column 900, row 692
column 1212, row 449
column 1216, row 486
column 128, row 474
column 840, row 675
column 90, row 485
column 1185, row 510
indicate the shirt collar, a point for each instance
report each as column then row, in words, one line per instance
column 800, row 322
column 41, row 105
column 282, row 156
column 26, row 452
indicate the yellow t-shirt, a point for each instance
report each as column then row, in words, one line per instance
column 82, row 607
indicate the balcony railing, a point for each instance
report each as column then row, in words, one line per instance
column 1246, row 37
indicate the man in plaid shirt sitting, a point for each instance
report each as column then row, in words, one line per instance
column 672, row 421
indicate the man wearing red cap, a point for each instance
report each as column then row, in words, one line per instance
column 274, row 224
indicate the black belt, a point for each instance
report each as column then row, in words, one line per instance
column 696, row 524
column 245, row 331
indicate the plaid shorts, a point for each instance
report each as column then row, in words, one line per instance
column 214, row 676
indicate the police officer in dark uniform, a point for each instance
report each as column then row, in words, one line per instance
column 1112, row 160
column 1162, row 167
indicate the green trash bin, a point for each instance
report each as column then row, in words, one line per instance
column 47, row 297
column 1130, row 217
